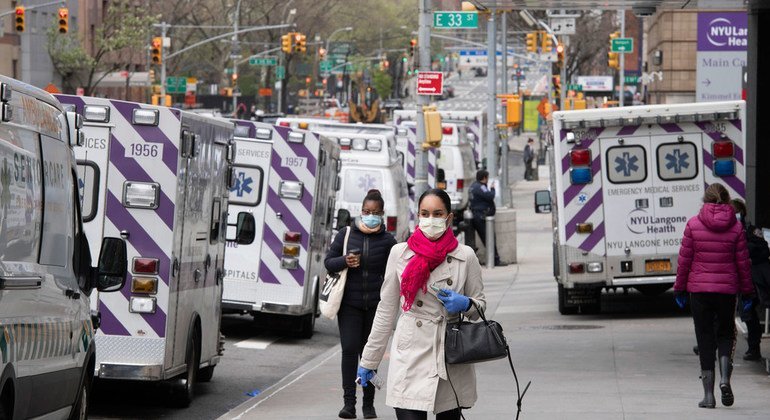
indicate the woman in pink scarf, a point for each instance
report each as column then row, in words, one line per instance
column 429, row 280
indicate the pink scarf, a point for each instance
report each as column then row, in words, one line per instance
column 428, row 255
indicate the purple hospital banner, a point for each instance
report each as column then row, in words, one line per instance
column 722, row 31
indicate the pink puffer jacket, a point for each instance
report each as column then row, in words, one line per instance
column 713, row 256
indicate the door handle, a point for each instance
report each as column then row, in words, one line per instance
column 20, row 282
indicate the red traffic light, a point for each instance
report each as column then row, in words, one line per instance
column 413, row 42
column 560, row 49
column 19, row 11
column 307, row 80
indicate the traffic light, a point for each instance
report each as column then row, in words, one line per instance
column 322, row 53
column 513, row 109
column 20, row 15
column 412, row 45
column 547, row 42
column 532, row 42
column 286, row 42
column 560, row 54
column 156, row 50
column 64, row 20
column 613, row 58
column 235, row 78
column 433, row 129
column 300, row 43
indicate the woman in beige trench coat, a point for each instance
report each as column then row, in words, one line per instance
column 418, row 378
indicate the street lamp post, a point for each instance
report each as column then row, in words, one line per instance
column 234, row 53
column 328, row 41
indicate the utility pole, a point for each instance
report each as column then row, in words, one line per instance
column 234, row 55
column 621, row 94
column 563, row 75
column 505, row 192
column 423, row 54
column 491, row 98
column 163, row 32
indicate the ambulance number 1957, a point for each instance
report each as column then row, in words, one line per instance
column 144, row 150
column 293, row 162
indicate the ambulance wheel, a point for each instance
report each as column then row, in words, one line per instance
column 80, row 409
column 6, row 403
column 205, row 374
column 184, row 387
column 307, row 326
column 563, row 308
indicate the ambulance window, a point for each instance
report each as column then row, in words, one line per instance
column 247, row 188
column 358, row 182
column 58, row 201
column 677, row 161
column 21, row 190
column 216, row 218
column 88, row 188
column 626, row 164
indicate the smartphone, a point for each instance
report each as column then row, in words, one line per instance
column 376, row 381
column 354, row 251
column 437, row 290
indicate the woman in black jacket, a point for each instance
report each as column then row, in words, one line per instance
column 368, row 249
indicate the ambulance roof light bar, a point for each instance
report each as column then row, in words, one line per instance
column 241, row 131
column 146, row 116
column 264, row 134
column 96, row 113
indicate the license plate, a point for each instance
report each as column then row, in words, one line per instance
column 657, row 266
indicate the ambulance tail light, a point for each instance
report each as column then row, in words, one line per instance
column 580, row 175
column 577, row 268
column 448, row 130
column 284, row 124
column 293, row 237
column 146, row 116
column 460, row 184
column 303, row 125
column 724, row 167
column 95, row 113
column 142, row 305
column 345, row 143
column 290, row 250
column 359, row 144
column 391, row 223
column 580, row 157
column 585, row 227
column 374, row 145
column 595, row 267
column 145, row 265
column 148, row 285
column 289, row 263
column 723, row 149
column 291, row 189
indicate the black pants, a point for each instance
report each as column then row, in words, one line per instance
column 355, row 325
column 751, row 318
column 713, row 315
column 480, row 226
column 528, row 172
column 404, row 414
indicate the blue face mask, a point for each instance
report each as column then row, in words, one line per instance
column 372, row 220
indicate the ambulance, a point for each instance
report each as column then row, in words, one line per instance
column 287, row 179
column 159, row 178
column 624, row 183
column 47, row 348
column 476, row 128
column 369, row 160
column 407, row 144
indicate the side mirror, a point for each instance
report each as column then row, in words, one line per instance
column 245, row 230
column 542, row 201
column 343, row 219
column 113, row 264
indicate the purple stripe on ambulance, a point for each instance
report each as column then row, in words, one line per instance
column 150, row 133
column 562, row 134
column 299, row 149
column 573, row 190
column 72, row 100
column 286, row 174
column 110, row 325
column 708, row 129
column 132, row 171
column 266, row 275
column 627, row 130
column 585, row 212
column 593, row 239
column 273, row 241
column 287, row 217
column 737, row 124
column 671, row 127
column 732, row 181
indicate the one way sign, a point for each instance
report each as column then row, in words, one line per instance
column 562, row 25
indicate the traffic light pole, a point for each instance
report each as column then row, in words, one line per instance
column 491, row 98
column 163, row 32
column 621, row 94
column 505, row 191
column 234, row 54
column 423, row 53
column 563, row 75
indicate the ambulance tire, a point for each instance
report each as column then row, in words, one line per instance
column 307, row 322
column 205, row 374
column 183, row 391
column 6, row 402
column 563, row 308
column 80, row 409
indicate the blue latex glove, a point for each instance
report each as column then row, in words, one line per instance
column 681, row 299
column 453, row 301
column 365, row 375
column 747, row 303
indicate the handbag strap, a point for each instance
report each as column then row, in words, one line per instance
column 345, row 243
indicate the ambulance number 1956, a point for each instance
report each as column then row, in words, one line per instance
column 145, row 150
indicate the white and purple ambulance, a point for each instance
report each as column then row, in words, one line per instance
column 407, row 144
column 624, row 182
column 159, row 178
column 287, row 179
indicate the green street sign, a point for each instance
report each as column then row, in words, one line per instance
column 280, row 72
column 631, row 80
column 576, row 88
column 176, row 84
column 454, row 20
column 326, row 66
column 622, row 45
column 263, row 61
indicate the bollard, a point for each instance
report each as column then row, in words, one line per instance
column 767, row 321
column 490, row 233
column 470, row 232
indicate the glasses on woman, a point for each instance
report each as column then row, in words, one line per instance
column 369, row 213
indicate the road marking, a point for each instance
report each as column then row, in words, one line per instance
column 256, row 343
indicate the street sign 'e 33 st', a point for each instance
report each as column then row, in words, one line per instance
column 453, row 20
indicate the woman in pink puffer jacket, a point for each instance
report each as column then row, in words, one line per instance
column 714, row 267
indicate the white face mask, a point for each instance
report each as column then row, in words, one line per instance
column 433, row 227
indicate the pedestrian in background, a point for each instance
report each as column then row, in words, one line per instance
column 713, row 267
column 482, row 203
column 432, row 278
column 759, row 254
column 368, row 248
column 529, row 156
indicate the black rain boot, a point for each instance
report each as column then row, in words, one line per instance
column 368, row 408
column 349, row 410
column 726, row 369
column 753, row 354
column 707, row 376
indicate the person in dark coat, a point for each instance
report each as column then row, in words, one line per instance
column 368, row 248
column 529, row 156
column 760, row 276
column 482, row 203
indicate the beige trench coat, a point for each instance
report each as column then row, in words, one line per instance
column 417, row 374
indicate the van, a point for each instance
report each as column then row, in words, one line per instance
column 47, row 348
column 158, row 177
column 287, row 179
column 407, row 144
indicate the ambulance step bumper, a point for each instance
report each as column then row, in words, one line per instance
column 130, row 372
column 638, row 281
column 284, row 309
